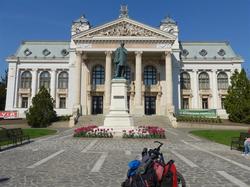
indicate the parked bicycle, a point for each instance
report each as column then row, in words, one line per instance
column 152, row 171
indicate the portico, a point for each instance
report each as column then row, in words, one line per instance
column 139, row 90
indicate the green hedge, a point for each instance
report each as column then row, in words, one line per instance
column 199, row 119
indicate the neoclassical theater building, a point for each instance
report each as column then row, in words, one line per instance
column 164, row 74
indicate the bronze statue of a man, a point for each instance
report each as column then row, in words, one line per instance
column 120, row 61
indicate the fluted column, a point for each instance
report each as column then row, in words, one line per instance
column 34, row 83
column 169, row 80
column 78, row 68
column 108, row 74
column 138, row 78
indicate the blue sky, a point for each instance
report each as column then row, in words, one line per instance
column 198, row 20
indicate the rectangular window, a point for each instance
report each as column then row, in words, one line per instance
column 24, row 102
column 204, row 103
column 62, row 103
column 222, row 103
column 185, row 103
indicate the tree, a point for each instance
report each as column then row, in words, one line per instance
column 3, row 86
column 41, row 113
column 237, row 102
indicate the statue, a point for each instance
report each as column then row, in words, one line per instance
column 120, row 61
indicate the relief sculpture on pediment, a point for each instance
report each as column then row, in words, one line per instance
column 124, row 29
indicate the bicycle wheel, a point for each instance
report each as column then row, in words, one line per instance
column 181, row 180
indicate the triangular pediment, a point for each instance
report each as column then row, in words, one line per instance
column 124, row 27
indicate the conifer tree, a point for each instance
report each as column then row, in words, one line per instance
column 3, row 86
column 41, row 112
column 237, row 102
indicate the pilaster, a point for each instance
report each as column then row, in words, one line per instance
column 53, row 84
column 34, row 82
column 195, row 89
column 214, row 89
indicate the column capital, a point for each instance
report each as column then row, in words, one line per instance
column 84, row 56
column 168, row 53
column 34, row 69
column 138, row 53
column 78, row 53
column 108, row 53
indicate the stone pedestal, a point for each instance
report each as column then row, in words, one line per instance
column 118, row 117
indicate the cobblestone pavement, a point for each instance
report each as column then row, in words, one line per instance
column 62, row 160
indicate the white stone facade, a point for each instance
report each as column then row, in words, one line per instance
column 78, row 73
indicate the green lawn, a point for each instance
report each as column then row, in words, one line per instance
column 35, row 133
column 219, row 136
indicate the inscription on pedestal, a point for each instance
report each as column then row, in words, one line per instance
column 118, row 97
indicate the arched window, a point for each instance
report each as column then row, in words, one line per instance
column 150, row 75
column 45, row 79
column 98, row 75
column 204, row 81
column 222, row 81
column 185, row 80
column 63, row 80
column 26, row 79
column 128, row 74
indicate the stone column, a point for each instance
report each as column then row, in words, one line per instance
column 77, row 75
column 34, row 83
column 214, row 89
column 53, row 84
column 195, row 89
column 138, row 83
column 85, row 72
column 138, row 77
column 108, row 75
column 169, row 81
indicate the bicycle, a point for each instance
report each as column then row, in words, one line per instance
column 152, row 171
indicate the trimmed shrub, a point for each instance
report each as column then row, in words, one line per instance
column 41, row 112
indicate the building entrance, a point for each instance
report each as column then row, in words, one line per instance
column 150, row 105
column 97, row 104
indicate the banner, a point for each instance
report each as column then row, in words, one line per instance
column 198, row 113
column 8, row 114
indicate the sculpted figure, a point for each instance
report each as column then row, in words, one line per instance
column 120, row 61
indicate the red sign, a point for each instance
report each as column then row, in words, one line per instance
column 8, row 114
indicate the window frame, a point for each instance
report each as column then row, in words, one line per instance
column 63, row 81
column 98, row 75
column 222, row 82
column 185, row 81
column 44, row 80
column 26, row 81
column 204, row 82
column 150, row 75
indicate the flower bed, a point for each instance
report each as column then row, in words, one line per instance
column 92, row 131
column 145, row 132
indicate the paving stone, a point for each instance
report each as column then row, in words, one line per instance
column 73, row 167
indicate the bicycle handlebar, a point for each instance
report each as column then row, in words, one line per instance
column 159, row 147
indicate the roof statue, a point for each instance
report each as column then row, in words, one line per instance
column 123, row 11
column 168, row 20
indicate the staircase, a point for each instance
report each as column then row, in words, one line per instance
column 159, row 121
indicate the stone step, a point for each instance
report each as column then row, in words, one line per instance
column 159, row 121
